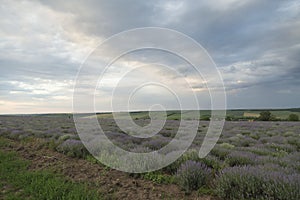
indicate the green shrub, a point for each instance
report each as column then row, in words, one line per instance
column 212, row 162
column 221, row 153
column 67, row 136
column 288, row 133
column 293, row 117
column 245, row 133
column 293, row 141
column 265, row 116
column 254, row 136
column 227, row 145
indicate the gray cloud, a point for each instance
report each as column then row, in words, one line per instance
column 255, row 44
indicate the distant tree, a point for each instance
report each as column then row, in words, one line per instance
column 229, row 118
column 293, row 117
column 265, row 116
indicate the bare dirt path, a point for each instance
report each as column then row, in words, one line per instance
column 112, row 183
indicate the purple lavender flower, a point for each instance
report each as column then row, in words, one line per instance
column 73, row 148
column 71, row 142
column 156, row 143
column 238, row 158
column 259, row 182
column 191, row 175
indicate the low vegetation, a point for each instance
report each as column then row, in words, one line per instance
column 252, row 160
column 293, row 117
column 21, row 183
column 193, row 175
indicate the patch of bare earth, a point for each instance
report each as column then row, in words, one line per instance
column 112, row 184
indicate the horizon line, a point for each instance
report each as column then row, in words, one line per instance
column 132, row 111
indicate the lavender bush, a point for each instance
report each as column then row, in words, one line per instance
column 73, row 148
column 192, row 175
column 280, row 147
column 219, row 152
column 266, row 149
column 15, row 134
column 250, row 182
column 212, row 162
column 238, row 158
column 156, row 143
column 191, row 155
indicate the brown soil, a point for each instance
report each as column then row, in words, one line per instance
column 112, row 183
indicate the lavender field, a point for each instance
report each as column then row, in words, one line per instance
column 251, row 160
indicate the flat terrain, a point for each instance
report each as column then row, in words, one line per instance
column 280, row 114
column 43, row 158
column 104, row 182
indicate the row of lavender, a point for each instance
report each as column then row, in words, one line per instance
column 252, row 160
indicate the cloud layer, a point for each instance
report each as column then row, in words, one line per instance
column 254, row 43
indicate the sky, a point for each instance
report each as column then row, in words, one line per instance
column 255, row 45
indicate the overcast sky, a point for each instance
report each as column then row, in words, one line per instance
column 254, row 43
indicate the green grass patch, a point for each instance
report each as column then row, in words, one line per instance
column 17, row 182
column 159, row 178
